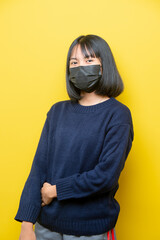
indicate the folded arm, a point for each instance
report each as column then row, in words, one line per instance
column 105, row 175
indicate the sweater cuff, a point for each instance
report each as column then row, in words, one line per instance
column 64, row 189
column 28, row 213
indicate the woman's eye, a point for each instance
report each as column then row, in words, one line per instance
column 89, row 60
column 73, row 63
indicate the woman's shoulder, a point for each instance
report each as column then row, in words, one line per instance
column 118, row 105
column 57, row 105
column 120, row 112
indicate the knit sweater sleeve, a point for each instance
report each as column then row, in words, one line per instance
column 105, row 175
column 30, row 202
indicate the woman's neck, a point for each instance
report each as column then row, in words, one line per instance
column 91, row 98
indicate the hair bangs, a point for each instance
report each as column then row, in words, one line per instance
column 87, row 49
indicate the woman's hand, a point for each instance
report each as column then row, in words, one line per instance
column 27, row 232
column 48, row 192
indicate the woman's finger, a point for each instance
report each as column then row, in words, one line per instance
column 42, row 204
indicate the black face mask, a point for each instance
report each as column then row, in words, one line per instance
column 85, row 77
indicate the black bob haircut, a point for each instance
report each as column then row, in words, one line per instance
column 110, row 84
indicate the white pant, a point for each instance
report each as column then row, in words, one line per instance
column 43, row 233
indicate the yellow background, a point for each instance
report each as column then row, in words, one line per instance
column 34, row 41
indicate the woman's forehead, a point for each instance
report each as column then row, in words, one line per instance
column 78, row 52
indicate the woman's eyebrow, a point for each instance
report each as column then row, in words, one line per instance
column 84, row 57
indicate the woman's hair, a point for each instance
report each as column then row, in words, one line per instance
column 110, row 84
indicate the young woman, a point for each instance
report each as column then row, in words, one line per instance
column 85, row 141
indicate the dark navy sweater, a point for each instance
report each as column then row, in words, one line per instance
column 82, row 150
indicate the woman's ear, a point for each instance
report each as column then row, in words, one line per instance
column 101, row 68
column 100, row 65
